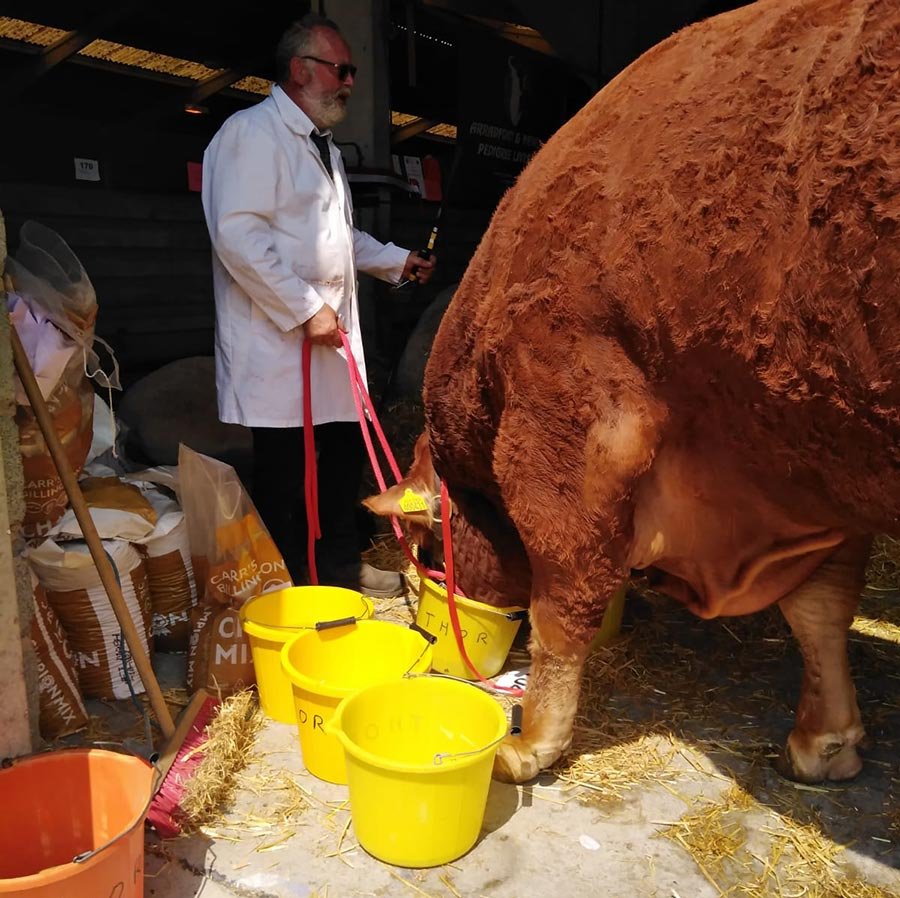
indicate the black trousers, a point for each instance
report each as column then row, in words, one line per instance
column 278, row 493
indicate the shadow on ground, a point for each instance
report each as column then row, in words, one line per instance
column 728, row 688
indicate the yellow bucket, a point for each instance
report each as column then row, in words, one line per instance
column 274, row 618
column 419, row 757
column 612, row 620
column 325, row 666
column 488, row 632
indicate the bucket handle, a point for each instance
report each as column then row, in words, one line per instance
column 343, row 621
column 326, row 624
column 430, row 637
column 520, row 614
column 331, row 624
column 429, row 642
column 125, row 749
column 85, row 856
column 515, row 729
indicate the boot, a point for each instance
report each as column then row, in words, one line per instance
column 380, row 584
column 368, row 580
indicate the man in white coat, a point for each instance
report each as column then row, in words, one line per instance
column 285, row 262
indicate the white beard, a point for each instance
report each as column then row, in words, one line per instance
column 328, row 111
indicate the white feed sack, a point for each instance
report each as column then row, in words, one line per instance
column 140, row 513
column 173, row 590
column 62, row 708
column 110, row 523
column 76, row 594
column 167, row 554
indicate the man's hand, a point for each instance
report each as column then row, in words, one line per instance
column 324, row 327
column 424, row 268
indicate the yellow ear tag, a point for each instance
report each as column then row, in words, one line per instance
column 411, row 502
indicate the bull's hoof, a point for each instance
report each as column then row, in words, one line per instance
column 823, row 760
column 515, row 761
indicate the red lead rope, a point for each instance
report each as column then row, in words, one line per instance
column 361, row 400
column 363, row 403
column 311, row 481
column 451, row 599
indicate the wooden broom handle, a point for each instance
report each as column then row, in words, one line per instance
column 86, row 522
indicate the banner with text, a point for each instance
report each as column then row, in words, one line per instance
column 511, row 100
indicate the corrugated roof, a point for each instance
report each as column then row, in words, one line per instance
column 30, row 32
column 443, row 130
column 121, row 54
column 147, row 60
column 399, row 119
column 254, row 85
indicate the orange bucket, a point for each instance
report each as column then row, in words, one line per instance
column 73, row 825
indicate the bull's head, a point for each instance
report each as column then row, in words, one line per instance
column 416, row 501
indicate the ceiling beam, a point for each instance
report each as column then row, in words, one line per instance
column 511, row 28
column 193, row 96
column 217, row 83
column 578, row 46
column 118, row 68
column 67, row 46
column 414, row 128
column 518, row 34
column 544, row 31
column 490, row 9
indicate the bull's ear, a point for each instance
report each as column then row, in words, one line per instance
column 401, row 500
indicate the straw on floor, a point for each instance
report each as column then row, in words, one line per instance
column 677, row 700
column 226, row 750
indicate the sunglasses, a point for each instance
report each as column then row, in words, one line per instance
column 343, row 69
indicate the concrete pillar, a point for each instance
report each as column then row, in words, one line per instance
column 364, row 24
column 18, row 675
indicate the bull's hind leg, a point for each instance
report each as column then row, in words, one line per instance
column 572, row 442
column 551, row 699
column 828, row 727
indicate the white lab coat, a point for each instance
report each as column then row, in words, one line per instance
column 283, row 245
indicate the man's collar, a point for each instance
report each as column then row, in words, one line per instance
column 294, row 117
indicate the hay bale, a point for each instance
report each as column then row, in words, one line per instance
column 177, row 404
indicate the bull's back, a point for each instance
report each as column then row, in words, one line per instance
column 726, row 214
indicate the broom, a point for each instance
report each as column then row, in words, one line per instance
column 182, row 752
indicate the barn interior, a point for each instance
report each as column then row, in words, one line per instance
column 669, row 789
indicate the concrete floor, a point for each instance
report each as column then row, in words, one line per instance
column 534, row 841
column 711, row 711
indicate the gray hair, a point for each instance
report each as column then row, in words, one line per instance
column 297, row 41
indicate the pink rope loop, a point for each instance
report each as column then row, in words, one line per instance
column 359, row 386
column 363, row 403
column 361, row 398
column 451, row 599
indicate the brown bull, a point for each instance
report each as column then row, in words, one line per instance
column 678, row 347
